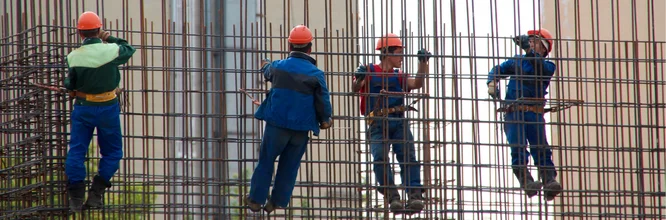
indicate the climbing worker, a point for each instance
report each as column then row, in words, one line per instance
column 393, row 128
column 298, row 102
column 93, row 79
column 530, row 77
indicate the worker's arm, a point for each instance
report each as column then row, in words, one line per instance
column 70, row 80
column 265, row 70
column 539, row 64
column 322, row 99
column 359, row 78
column 125, row 51
column 418, row 81
column 501, row 71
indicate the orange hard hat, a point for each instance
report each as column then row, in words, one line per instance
column 389, row 40
column 545, row 35
column 89, row 21
column 300, row 35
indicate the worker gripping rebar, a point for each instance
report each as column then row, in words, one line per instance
column 530, row 77
column 93, row 79
column 297, row 103
column 392, row 128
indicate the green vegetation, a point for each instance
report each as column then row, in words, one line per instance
column 122, row 201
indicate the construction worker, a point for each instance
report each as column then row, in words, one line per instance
column 93, row 79
column 393, row 128
column 530, row 77
column 298, row 102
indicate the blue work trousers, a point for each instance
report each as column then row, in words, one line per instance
column 84, row 120
column 524, row 127
column 290, row 145
column 394, row 132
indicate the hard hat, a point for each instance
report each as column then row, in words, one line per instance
column 546, row 37
column 389, row 40
column 300, row 35
column 89, row 21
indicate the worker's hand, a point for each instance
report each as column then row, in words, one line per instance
column 326, row 125
column 523, row 41
column 103, row 35
column 493, row 90
column 424, row 55
column 360, row 72
column 264, row 62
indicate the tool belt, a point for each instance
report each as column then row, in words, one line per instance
column 525, row 108
column 386, row 111
column 101, row 97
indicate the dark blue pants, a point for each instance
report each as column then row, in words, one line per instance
column 400, row 137
column 109, row 138
column 290, row 145
column 524, row 127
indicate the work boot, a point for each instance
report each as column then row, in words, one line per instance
column 551, row 187
column 527, row 182
column 270, row 206
column 96, row 192
column 76, row 192
column 254, row 207
column 416, row 201
column 393, row 198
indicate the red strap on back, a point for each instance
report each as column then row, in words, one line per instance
column 401, row 77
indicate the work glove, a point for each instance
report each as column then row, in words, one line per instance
column 360, row 72
column 523, row 41
column 493, row 90
column 424, row 55
column 326, row 125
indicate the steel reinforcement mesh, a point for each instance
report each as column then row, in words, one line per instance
column 191, row 140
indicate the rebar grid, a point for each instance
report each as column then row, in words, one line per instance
column 191, row 142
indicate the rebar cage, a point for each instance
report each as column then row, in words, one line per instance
column 191, row 141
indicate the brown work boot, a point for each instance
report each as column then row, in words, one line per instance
column 527, row 182
column 416, row 202
column 551, row 187
column 254, row 207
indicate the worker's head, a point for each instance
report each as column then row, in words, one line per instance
column 541, row 41
column 391, row 50
column 89, row 24
column 300, row 39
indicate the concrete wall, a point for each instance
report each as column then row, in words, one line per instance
column 611, row 150
column 328, row 163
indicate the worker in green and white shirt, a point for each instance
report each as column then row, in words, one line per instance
column 93, row 79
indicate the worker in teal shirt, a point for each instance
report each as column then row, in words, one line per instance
column 530, row 77
column 93, row 79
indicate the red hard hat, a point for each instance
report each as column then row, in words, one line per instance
column 300, row 35
column 89, row 21
column 389, row 40
column 545, row 34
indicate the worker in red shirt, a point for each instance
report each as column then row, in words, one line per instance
column 393, row 128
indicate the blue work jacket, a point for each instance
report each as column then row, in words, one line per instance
column 299, row 98
column 530, row 76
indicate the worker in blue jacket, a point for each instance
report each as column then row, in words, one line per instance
column 297, row 103
column 530, row 77
column 392, row 129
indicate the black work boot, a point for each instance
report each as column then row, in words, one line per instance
column 96, row 192
column 270, row 206
column 416, row 202
column 76, row 192
column 527, row 182
column 551, row 187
